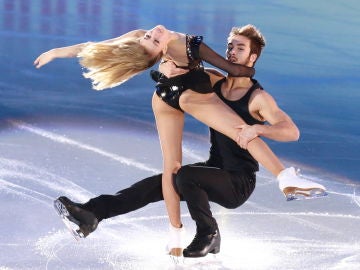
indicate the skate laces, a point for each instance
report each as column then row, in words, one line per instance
column 291, row 177
column 199, row 239
column 195, row 242
column 288, row 172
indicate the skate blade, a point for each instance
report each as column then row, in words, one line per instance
column 70, row 223
column 210, row 261
column 177, row 260
column 176, row 255
column 294, row 193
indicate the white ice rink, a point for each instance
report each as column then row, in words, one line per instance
column 81, row 158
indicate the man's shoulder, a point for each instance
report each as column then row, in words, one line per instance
column 258, row 89
column 214, row 72
column 214, row 75
column 261, row 97
column 256, row 84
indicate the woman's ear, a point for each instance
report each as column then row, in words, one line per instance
column 164, row 50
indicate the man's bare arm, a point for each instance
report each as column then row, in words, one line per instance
column 281, row 127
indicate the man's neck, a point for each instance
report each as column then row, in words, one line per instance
column 235, row 88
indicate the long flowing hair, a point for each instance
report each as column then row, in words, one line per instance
column 111, row 64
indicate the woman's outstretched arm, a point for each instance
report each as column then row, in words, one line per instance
column 62, row 52
column 73, row 50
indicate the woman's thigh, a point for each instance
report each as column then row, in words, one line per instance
column 212, row 111
column 170, row 124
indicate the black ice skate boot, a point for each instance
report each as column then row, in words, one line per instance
column 203, row 244
column 72, row 213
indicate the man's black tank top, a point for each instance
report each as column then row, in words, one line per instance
column 224, row 152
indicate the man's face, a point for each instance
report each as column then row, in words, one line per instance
column 238, row 50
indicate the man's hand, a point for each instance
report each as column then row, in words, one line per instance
column 246, row 134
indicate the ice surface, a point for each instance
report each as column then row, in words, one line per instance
column 42, row 160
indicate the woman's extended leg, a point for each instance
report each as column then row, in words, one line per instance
column 170, row 123
column 213, row 112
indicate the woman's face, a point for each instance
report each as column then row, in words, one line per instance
column 155, row 40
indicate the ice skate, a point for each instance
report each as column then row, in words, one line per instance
column 295, row 187
column 175, row 245
column 203, row 244
column 79, row 221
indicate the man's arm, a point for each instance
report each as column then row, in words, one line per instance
column 280, row 126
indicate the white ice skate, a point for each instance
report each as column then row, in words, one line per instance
column 176, row 244
column 295, row 187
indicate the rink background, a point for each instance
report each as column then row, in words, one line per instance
column 59, row 137
column 309, row 64
column 42, row 161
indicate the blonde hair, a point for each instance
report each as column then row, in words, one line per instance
column 111, row 64
column 257, row 40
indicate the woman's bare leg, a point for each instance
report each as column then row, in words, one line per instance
column 170, row 123
column 213, row 112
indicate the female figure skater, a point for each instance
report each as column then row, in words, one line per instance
column 112, row 62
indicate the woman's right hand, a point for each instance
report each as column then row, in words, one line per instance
column 45, row 58
column 169, row 69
